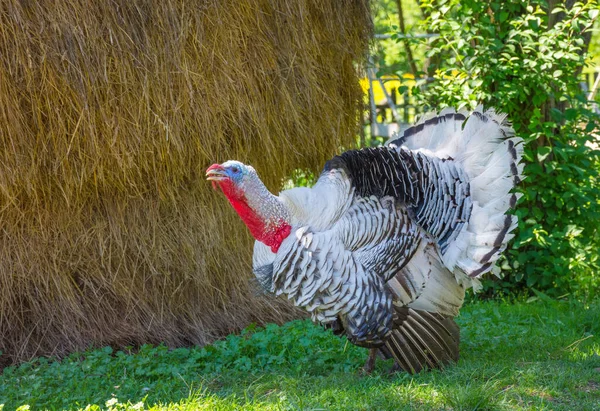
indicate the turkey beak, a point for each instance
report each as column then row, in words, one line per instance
column 216, row 173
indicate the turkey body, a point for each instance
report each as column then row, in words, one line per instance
column 383, row 246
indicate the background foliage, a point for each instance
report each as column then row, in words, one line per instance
column 525, row 59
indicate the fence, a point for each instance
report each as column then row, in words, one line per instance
column 393, row 109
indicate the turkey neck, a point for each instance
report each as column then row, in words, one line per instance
column 264, row 214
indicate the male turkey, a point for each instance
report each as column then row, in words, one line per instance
column 384, row 245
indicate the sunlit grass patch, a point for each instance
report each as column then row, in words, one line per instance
column 537, row 356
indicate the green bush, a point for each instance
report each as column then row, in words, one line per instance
column 526, row 60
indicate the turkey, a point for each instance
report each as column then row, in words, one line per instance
column 383, row 246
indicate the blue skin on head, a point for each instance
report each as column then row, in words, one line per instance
column 235, row 170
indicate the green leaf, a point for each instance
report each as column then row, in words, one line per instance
column 543, row 152
column 573, row 231
column 556, row 114
column 503, row 16
column 542, row 296
column 571, row 113
column 590, row 126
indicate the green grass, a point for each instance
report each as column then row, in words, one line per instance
column 536, row 356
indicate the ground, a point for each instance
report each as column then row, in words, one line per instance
column 537, row 355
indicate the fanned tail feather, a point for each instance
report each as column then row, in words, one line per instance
column 484, row 144
column 422, row 340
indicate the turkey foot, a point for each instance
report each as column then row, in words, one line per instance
column 394, row 369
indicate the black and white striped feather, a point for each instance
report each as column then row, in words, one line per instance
column 341, row 273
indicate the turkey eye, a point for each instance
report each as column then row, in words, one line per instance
column 235, row 169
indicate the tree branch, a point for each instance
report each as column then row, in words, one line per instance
column 431, row 63
column 405, row 41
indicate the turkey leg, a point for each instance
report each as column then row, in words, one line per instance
column 370, row 364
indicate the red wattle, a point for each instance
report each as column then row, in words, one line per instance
column 281, row 234
column 271, row 235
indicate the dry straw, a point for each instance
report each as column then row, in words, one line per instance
column 110, row 111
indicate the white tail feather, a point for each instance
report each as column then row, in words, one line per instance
column 485, row 146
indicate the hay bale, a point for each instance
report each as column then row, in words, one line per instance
column 109, row 114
